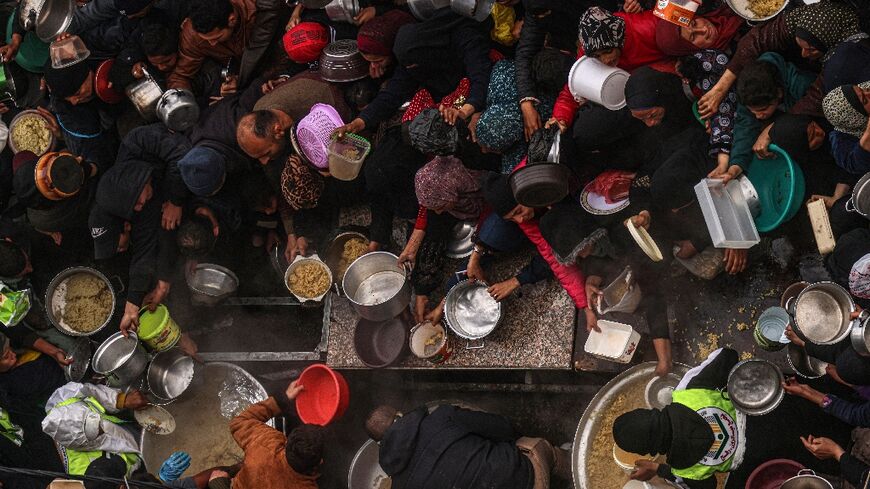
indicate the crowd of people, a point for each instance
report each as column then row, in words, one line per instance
column 452, row 107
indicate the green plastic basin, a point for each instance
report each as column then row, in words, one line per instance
column 780, row 185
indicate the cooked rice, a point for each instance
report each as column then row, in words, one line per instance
column 309, row 280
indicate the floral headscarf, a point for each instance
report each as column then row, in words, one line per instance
column 824, row 25
column 301, row 185
column 600, row 30
column 859, row 278
column 840, row 109
column 444, row 182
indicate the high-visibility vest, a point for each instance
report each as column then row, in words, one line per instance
column 721, row 415
column 76, row 462
column 9, row 429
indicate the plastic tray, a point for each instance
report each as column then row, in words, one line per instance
column 616, row 342
column 727, row 214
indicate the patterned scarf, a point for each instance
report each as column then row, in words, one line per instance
column 824, row 25
column 859, row 278
column 301, row 185
column 444, row 182
column 600, row 30
column 841, row 113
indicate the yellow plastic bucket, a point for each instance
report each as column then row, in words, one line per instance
column 157, row 329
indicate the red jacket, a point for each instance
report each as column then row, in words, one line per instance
column 639, row 49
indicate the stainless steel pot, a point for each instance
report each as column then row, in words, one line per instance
column 170, row 374
column 177, row 109
column 54, row 299
column 470, row 311
column 860, row 200
column 145, row 94
column 377, row 287
column 53, row 18
column 822, row 313
column 806, row 479
column 209, row 284
column 860, row 334
column 803, row 364
column 755, row 387
column 425, row 9
column 478, row 10
column 365, row 470
column 121, row 360
column 27, row 12
column 342, row 10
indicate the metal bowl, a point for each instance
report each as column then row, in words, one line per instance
column 365, row 470
column 741, row 8
column 53, row 18
column 55, row 300
column 332, row 257
column 342, row 62
column 342, row 10
column 81, row 360
column 822, row 313
column 755, row 387
column 52, row 142
column 170, row 374
column 462, row 240
column 478, row 10
column 425, row 9
column 803, row 364
column 660, row 390
column 210, row 284
column 470, row 311
column 302, row 260
column 380, row 343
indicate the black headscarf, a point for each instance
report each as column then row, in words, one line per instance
column 497, row 193
column 568, row 229
column 643, row 431
column 849, row 65
column 673, row 183
column 823, row 25
column 789, row 132
column 647, row 88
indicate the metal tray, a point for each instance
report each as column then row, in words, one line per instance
column 588, row 426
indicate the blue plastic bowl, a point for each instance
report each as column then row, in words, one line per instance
column 780, row 185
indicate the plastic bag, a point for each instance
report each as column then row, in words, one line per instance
column 14, row 305
column 541, row 144
column 237, row 393
column 622, row 295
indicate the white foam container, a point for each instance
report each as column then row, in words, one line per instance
column 590, row 79
column 616, row 342
column 727, row 214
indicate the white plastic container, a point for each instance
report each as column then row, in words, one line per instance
column 727, row 214
column 616, row 342
column 821, row 226
column 590, row 79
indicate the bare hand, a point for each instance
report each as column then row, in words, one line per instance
column 9, row 51
column 214, row 99
column 795, row 388
column 828, row 200
column 130, row 319
column 408, row 255
column 793, row 337
column 563, row 127
column 475, row 272
column 353, row 127
column 591, row 320
column 376, row 70
column 726, row 175
column 217, row 474
column 61, row 358
column 642, row 220
column 502, row 290
column 708, row 104
column 644, row 470
column 293, row 22
column 135, row 400
column 632, row 6
column 735, row 260
column 760, row 148
column 171, row 216
column 290, row 249
column 420, row 302
column 301, row 246
column 230, row 86
column 531, row 119
column 435, row 315
column 156, row 296
column 366, row 14
column 593, row 282
column 138, row 71
column 663, row 368
column 273, row 84
column 294, row 389
column 51, row 120
column 823, row 448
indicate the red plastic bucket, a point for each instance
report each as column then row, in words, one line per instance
column 325, row 396
column 772, row 474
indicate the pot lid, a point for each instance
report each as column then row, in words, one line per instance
column 81, row 359
column 644, row 240
column 470, row 311
column 155, row 419
column 755, row 387
column 462, row 241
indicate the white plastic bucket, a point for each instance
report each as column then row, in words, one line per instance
column 593, row 80
column 616, row 342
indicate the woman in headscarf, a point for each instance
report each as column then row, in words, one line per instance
column 702, row 432
column 713, row 30
column 813, row 30
column 846, row 108
column 447, row 192
column 376, row 39
column 849, row 64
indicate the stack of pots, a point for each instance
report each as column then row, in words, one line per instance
column 822, row 314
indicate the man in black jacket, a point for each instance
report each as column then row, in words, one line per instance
column 458, row 448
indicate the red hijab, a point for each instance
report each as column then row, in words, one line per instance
column 670, row 42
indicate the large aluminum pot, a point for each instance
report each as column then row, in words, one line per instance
column 365, row 470
column 822, row 313
column 425, row 9
column 860, row 334
column 170, row 374
column 53, row 18
column 55, row 299
column 145, row 94
column 377, row 287
column 860, row 200
column 121, row 360
column 806, row 479
column 177, row 109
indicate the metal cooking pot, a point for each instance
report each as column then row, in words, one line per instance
column 470, row 311
column 425, row 9
column 332, row 257
column 365, row 469
column 170, row 374
column 478, row 10
column 145, row 94
column 755, row 387
column 803, row 364
column 806, row 479
column 342, row 10
column 822, row 313
column 540, row 184
column 377, row 287
column 860, row 335
column 53, row 18
column 860, row 200
column 54, row 299
column 209, row 284
column 177, row 109
column 121, row 360
column 379, row 344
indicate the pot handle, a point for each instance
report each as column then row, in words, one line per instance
column 806, row 472
column 475, row 347
column 789, row 306
column 850, row 206
column 121, row 287
column 460, row 274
